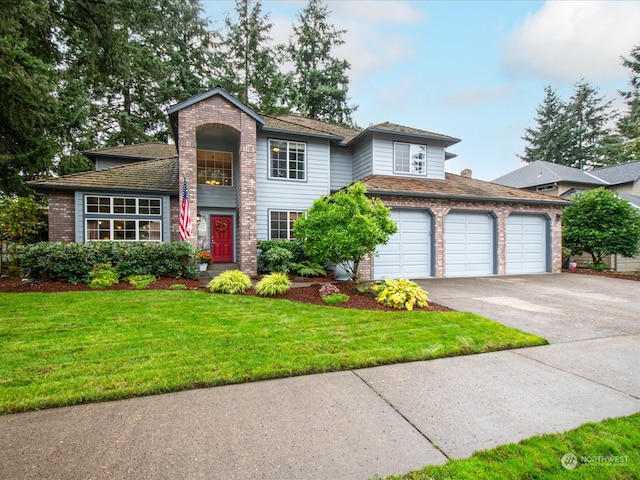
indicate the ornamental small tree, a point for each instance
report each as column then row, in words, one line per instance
column 345, row 228
column 601, row 223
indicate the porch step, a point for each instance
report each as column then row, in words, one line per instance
column 216, row 269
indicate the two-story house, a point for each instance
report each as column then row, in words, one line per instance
column 250, row 176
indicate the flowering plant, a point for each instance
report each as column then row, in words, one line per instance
column 204, row 257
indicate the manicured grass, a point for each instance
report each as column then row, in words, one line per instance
column 606, row 450
column 76, row 347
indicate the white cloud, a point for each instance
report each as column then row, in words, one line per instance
column 394, row 12
column 473, row 97
column 565, row 41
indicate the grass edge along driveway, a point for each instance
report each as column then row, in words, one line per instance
column 60, row 349
column 604, row 450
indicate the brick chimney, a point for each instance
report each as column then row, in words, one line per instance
column 466, row 173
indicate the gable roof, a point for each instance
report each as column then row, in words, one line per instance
column 344, row 135
column 308, row 126
column 455, row 187
column 150, row 176
column 541, row 172
column 617, row 174
column 142, row 151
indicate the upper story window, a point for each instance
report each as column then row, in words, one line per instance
column 122, row 205
column 215, row 168
column 410, row 158
column 287, row 159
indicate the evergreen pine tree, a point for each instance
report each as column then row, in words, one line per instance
column 629, row 124
column 320, row 81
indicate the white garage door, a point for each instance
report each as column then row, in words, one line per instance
column 469, row 244
column 526, row 244
column 408, row 253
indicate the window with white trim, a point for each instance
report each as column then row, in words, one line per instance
column 281, row 225
column 287, row 160
column 215, row 168
column 119, row 230
column 409, row 158
column 122, row 205
column 122, row 219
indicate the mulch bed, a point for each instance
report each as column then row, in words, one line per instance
column 309, row 294
column 622, row 276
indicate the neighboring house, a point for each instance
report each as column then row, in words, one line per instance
column 563, row 181
column 250, row 176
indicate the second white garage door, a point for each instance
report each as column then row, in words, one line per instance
column 408, row 253
column 526, row 244
column 469, row 244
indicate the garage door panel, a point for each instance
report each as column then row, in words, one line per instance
column 469, row 244
column 408, row 253
column 526, row 244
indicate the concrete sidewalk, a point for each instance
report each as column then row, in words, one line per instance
column 367, row 422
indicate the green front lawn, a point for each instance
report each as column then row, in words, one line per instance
column 76, row 347
column 602, row 451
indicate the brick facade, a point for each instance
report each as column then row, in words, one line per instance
column 61, row 216
column 217, row 110
column 439, row 208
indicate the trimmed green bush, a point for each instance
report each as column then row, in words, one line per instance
column 273, row 284
column 231, row 281
column 103, row 276
column 140, row 281
column 401, row 293
column 309, row 269
column 597, row 267
column 335, row 298
column 73, row 262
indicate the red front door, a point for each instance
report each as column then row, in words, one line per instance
column 222, row 238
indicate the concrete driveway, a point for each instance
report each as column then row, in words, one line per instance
column 561, row 307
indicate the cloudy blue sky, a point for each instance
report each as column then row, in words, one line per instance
column 474, row 70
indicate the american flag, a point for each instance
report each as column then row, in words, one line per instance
column 185, row 214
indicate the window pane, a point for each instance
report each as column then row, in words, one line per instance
column 418, row 158
column 278, row 153
column 402, row 157
column 92, row 204
column 104, row 204
column 293, row 216
column 278, row 225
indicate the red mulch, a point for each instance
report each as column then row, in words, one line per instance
column 300, row 294
column 622, row 276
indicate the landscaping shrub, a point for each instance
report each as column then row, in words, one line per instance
column 309, row 269
column 140, row 281
column 597, row 267
column 231, row 281
column 273, row 284
column 335, row 298
column 103, row 276
column 401, row 294
column 73, row 262
column 328, row 289
column 279, row 261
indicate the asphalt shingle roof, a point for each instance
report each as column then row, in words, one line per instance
column 159, row 175
column 455, row 187
column 542, row 173
column 142, row 150
column 617, row 174
column 343, row 134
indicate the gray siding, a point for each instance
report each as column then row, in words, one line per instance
column 223, row 197
column 341, row 167
column 362, row 160
column 289, row 195
column 383, row 158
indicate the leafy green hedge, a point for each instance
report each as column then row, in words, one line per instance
column 74, row 261
column 286, row 256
